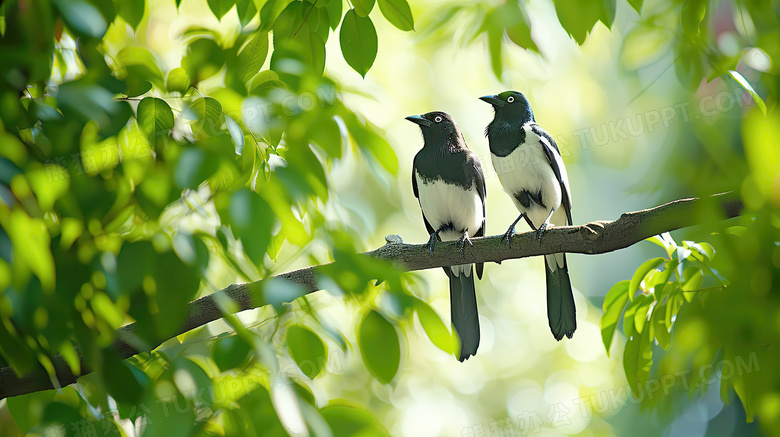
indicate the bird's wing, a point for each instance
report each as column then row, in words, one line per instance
column 414, row 183
column 556, row 162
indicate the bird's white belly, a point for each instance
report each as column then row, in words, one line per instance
column 444, row 203
column 527, row 168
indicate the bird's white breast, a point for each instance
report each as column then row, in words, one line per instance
column 444, row 203
column 527, row 168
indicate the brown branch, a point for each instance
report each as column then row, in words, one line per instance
column 592, row 238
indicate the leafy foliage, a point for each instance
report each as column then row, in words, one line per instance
column 133, row 182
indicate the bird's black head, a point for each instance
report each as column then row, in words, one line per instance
column 438, row 128
column 511, row 107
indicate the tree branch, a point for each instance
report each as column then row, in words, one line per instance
column 592, row 238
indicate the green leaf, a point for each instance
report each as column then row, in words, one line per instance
column 613, row 306
column 578, row 17
column 270, row 12
column 358, row 42
column 246, row 11
column 379, row 346
column 640, row 274
column 230, row 352
column 691, row 16
column 640, row 308
column 131, row 11
column 204, row 59
column 749, row 88
column 194, row 167
column 660, row 330
column 122, row 380
column 236, row 134
column 252, row 56
column 518, row 25
column 398, row 13
column 208, row 110
column 434, row 327
column 264, row 79
column 350, row 421
column 363, row 7
column 82, row 18
column 307, row 349
column 637, row 5
column 608, row 8
column 637, row 358
column 178, row 81
column 334, row 8
column 154, row 115
column 251, row 219
column 27, row 410
column 220, row 7
column 140, row 63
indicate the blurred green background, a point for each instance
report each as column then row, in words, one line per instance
column 153, row 152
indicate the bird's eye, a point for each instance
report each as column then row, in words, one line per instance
column 437, row 119
column 510, row 99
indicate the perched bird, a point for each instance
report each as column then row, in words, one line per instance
column 531, row 171
column 447, row 180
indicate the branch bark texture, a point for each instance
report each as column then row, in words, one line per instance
column 592, row 238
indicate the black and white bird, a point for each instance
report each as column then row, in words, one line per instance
column 530, row 168
column 447, row 180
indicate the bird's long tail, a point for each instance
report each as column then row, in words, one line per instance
column 463, row 306
column 560, row 301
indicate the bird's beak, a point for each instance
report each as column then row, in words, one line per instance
column 493, row 100
column 416, row 119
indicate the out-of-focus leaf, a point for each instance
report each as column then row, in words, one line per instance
column 379, row 346
column 194, row 167
column 154, row 115
column 131, row 11
column 209, row 111
column 307, row 349
column 27, row 410
column 398, row 13
column 141, row 63
column 334, row 8
column 434, row 327
column 252, row 56
column 691, row 16
column 349, row 421
column 82, row 17
column 760, row 138
column 251, row 219
column 640, row 274
column 31, row 234
column 235, row 133
column 123, row 381
column 749, row 88
column 613, row 306
column 230, row 352
column 642, row 46
column 637, row 5
column 204, row 59
column 637, row 358
column 270, row 12
column 577, row 17
column 178, row 80
column 246, row 11
column 515, row 19
column 660, row 331
column 607, row 15
column 363, row 7
column 220, row 7
column 358, row 42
